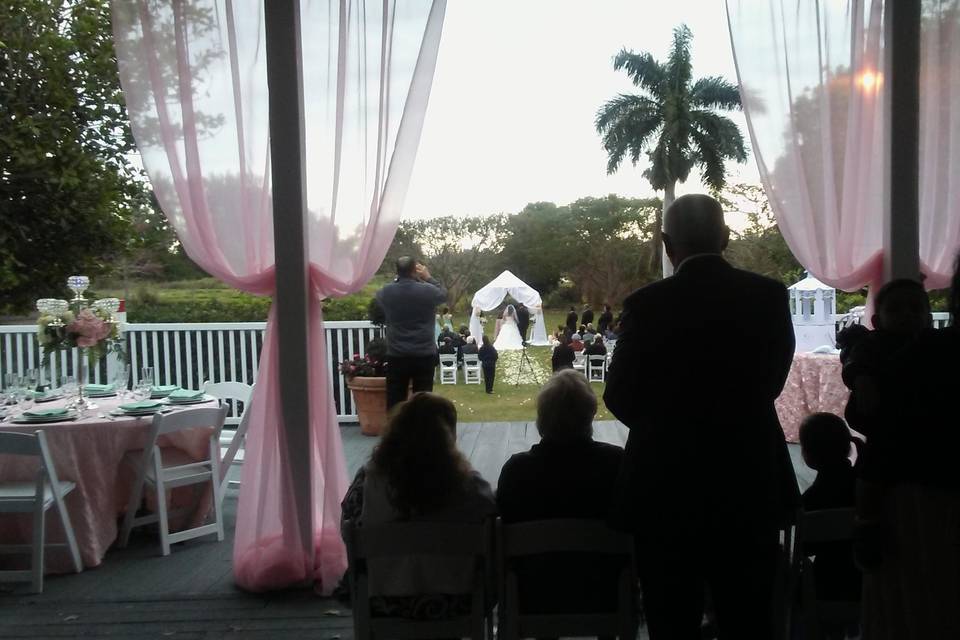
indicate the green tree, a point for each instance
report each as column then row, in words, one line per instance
column 672, row 120
column 63, row 138
column 463, row 253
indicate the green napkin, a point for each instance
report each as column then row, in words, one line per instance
column 163, row 389
column 140, row 406
column 45, row 413
column 100, row 388
column 185, row 394
column 40, row 395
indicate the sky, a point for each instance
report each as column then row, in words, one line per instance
column 516, row 90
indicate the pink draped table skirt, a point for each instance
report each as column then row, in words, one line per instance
column 89, row 452
column 814, row 385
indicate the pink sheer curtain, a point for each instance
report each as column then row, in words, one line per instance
column 194, row 77
column 811, row 79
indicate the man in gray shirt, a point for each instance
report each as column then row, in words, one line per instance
column 410, row 305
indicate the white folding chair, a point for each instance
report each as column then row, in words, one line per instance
column 236, row 395
column 597, row 368
column 580, row 362
column 448, row 368
column 165, row 468
column 471, row 369
column 35, row 497
column 435, row 539
column 518, row 541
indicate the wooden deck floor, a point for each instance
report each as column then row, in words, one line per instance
column 190, row 594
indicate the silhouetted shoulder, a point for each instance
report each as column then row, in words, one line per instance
column 647, row 293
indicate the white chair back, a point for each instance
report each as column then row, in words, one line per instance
column 597, row 368
column 580, row 362
column 37, row 497
column 448, row 368
column 234, row 394
column 471, row 369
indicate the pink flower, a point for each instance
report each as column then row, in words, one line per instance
column 88, row 329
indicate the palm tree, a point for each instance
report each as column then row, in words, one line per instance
column 674, row 121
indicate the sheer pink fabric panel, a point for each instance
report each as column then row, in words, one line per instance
column 814, row 114
column 811, row 78
column 195, row 81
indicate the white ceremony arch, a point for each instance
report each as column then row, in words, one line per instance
column 490, row 297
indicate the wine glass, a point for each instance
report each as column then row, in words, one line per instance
column 121, row 379
column 69, row 385
column 146, row 375
column 25, row 401
column 142, row 390
column 30, row 379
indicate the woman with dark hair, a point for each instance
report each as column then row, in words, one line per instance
column 417, row 473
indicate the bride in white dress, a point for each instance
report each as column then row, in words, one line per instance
column 508, row 338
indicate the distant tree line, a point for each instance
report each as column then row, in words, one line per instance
column 592, row 250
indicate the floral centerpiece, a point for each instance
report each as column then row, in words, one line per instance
column 92, row 329
column 365, row 367
column 78, row 324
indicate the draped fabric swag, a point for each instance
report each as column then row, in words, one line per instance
column 194, row 78
column 811, row 80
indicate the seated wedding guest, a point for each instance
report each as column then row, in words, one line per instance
column 908, row 493
column 563, row 356
column 464, row 331
column 596, row 348
column 488, row 362
column 589, row 334
column 605, row 319
column 417, row 474
column 566, row 475
column 448, row 334
column 447, row 347
column 610, row 333
column 576, row 343
column 825, row 445
column 469, row 347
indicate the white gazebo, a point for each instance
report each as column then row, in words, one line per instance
column 813, row 306
column 490, row 296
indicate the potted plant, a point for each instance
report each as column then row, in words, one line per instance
column 366, row 379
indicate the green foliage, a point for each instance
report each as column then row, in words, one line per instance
column 672, row 121
column 63, row 132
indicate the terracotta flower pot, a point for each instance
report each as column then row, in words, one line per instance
column 370, row 398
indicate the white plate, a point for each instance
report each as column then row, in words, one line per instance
column 46, row 420
column 112, row 394
column 137, row 414
column 201, row 399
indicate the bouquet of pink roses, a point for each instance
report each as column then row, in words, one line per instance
column 91, row 328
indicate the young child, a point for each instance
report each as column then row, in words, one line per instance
column 488, row 362
column 825, row 445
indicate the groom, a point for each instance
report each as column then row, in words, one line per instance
column 523, row 321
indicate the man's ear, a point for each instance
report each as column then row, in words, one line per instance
column 726, row 239
column 668, row 245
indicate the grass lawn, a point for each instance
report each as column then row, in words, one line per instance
column 509, row 402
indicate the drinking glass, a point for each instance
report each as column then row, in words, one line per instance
column 69, row 385
column 121, row 379
column 146, row 375
column 30, row 379
column 26, row 401
column 142, row 390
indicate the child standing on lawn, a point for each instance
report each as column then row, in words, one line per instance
column 488, row 361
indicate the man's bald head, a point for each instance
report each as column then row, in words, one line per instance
column 406, row 266
column 694, row 224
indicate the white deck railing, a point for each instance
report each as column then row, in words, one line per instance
column 189, row 354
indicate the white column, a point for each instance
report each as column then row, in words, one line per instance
column 285, row 84
column 902, row 127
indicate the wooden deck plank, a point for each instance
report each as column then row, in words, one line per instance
column 490, row 452
column 467, row 435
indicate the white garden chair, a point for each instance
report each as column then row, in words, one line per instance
column 471, row 369
column 164, row 468
column 580, row 362
column 236, row 395
column 36, row 497
column 448, row 368
column 597, row 368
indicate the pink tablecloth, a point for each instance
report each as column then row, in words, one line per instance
column 814, row 384
column 89, row 452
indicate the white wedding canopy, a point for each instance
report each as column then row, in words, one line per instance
column 490, row 297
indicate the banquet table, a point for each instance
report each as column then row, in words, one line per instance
column 89, row 451
column 814, row 384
